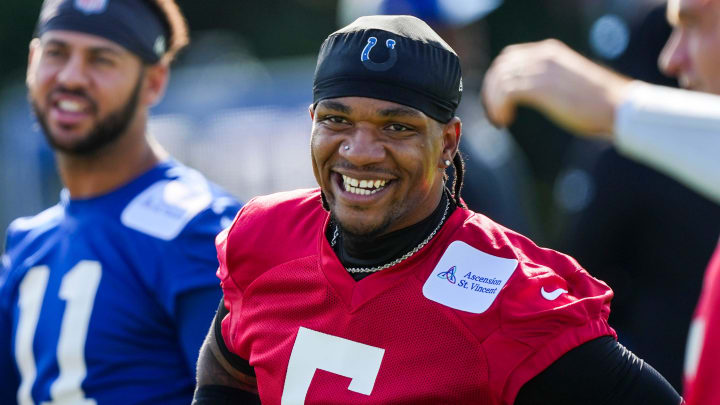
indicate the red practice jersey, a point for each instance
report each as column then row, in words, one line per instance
column 702, row 355
column 470, row 318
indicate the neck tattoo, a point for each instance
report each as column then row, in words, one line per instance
column 336, row 233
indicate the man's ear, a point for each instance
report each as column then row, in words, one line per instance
column 33, row 54
column 311, row 110
column 452, row 132
column 156, row 80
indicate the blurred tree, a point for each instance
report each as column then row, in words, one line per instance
column 271, row 28
column 17, row 22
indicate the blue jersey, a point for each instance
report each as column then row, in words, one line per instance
column 89, row 292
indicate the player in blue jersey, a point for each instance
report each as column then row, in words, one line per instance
column 105, row 297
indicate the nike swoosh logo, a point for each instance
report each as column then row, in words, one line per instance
column 552, row 295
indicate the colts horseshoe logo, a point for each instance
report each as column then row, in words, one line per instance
column 378, row 67
column 91, row 6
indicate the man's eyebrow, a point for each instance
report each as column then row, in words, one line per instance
column 94, row 49
column 55, row 42
column 335, row 105
column 105, row 49
column 400, row 111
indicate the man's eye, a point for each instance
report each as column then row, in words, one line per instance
column 336, row 120
column 103, row 61
column 398, row 127
column 53, row 53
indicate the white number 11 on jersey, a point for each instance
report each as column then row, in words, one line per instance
column 78, row 288
column 316, row 350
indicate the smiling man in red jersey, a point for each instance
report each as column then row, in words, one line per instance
column 380, row 287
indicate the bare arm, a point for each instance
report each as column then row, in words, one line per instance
column 218, row 381
column 578, row 94
column 214, row 369
column 674, row 131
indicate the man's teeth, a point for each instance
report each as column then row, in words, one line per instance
column 70, row 106
column 362, row 187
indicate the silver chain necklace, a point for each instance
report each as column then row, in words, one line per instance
column 406, row 256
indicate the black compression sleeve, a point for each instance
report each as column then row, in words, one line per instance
column 236, row 361
column 222, row 395
column 599, row 372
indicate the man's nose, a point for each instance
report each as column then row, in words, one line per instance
column 73, row 74
column 673, row 58
column 363, row 147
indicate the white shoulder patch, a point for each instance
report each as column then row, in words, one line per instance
column 46, row 217
column 164, row 208
column 5, row 261
column 468, row 279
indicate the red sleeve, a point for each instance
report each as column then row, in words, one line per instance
column 239, row 266
column 249, row 248
column 703, row 347
column 229, row 258
column 231, row 292
column 550, row 306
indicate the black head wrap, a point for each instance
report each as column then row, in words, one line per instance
column 133, row 24
column 394, row 58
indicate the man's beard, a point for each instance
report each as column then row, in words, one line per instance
column 367, row 233
column 103, row 134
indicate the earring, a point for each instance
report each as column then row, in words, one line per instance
column 346, row 147
column 447, row 162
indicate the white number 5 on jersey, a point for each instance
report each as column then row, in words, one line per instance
column 316, row 350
